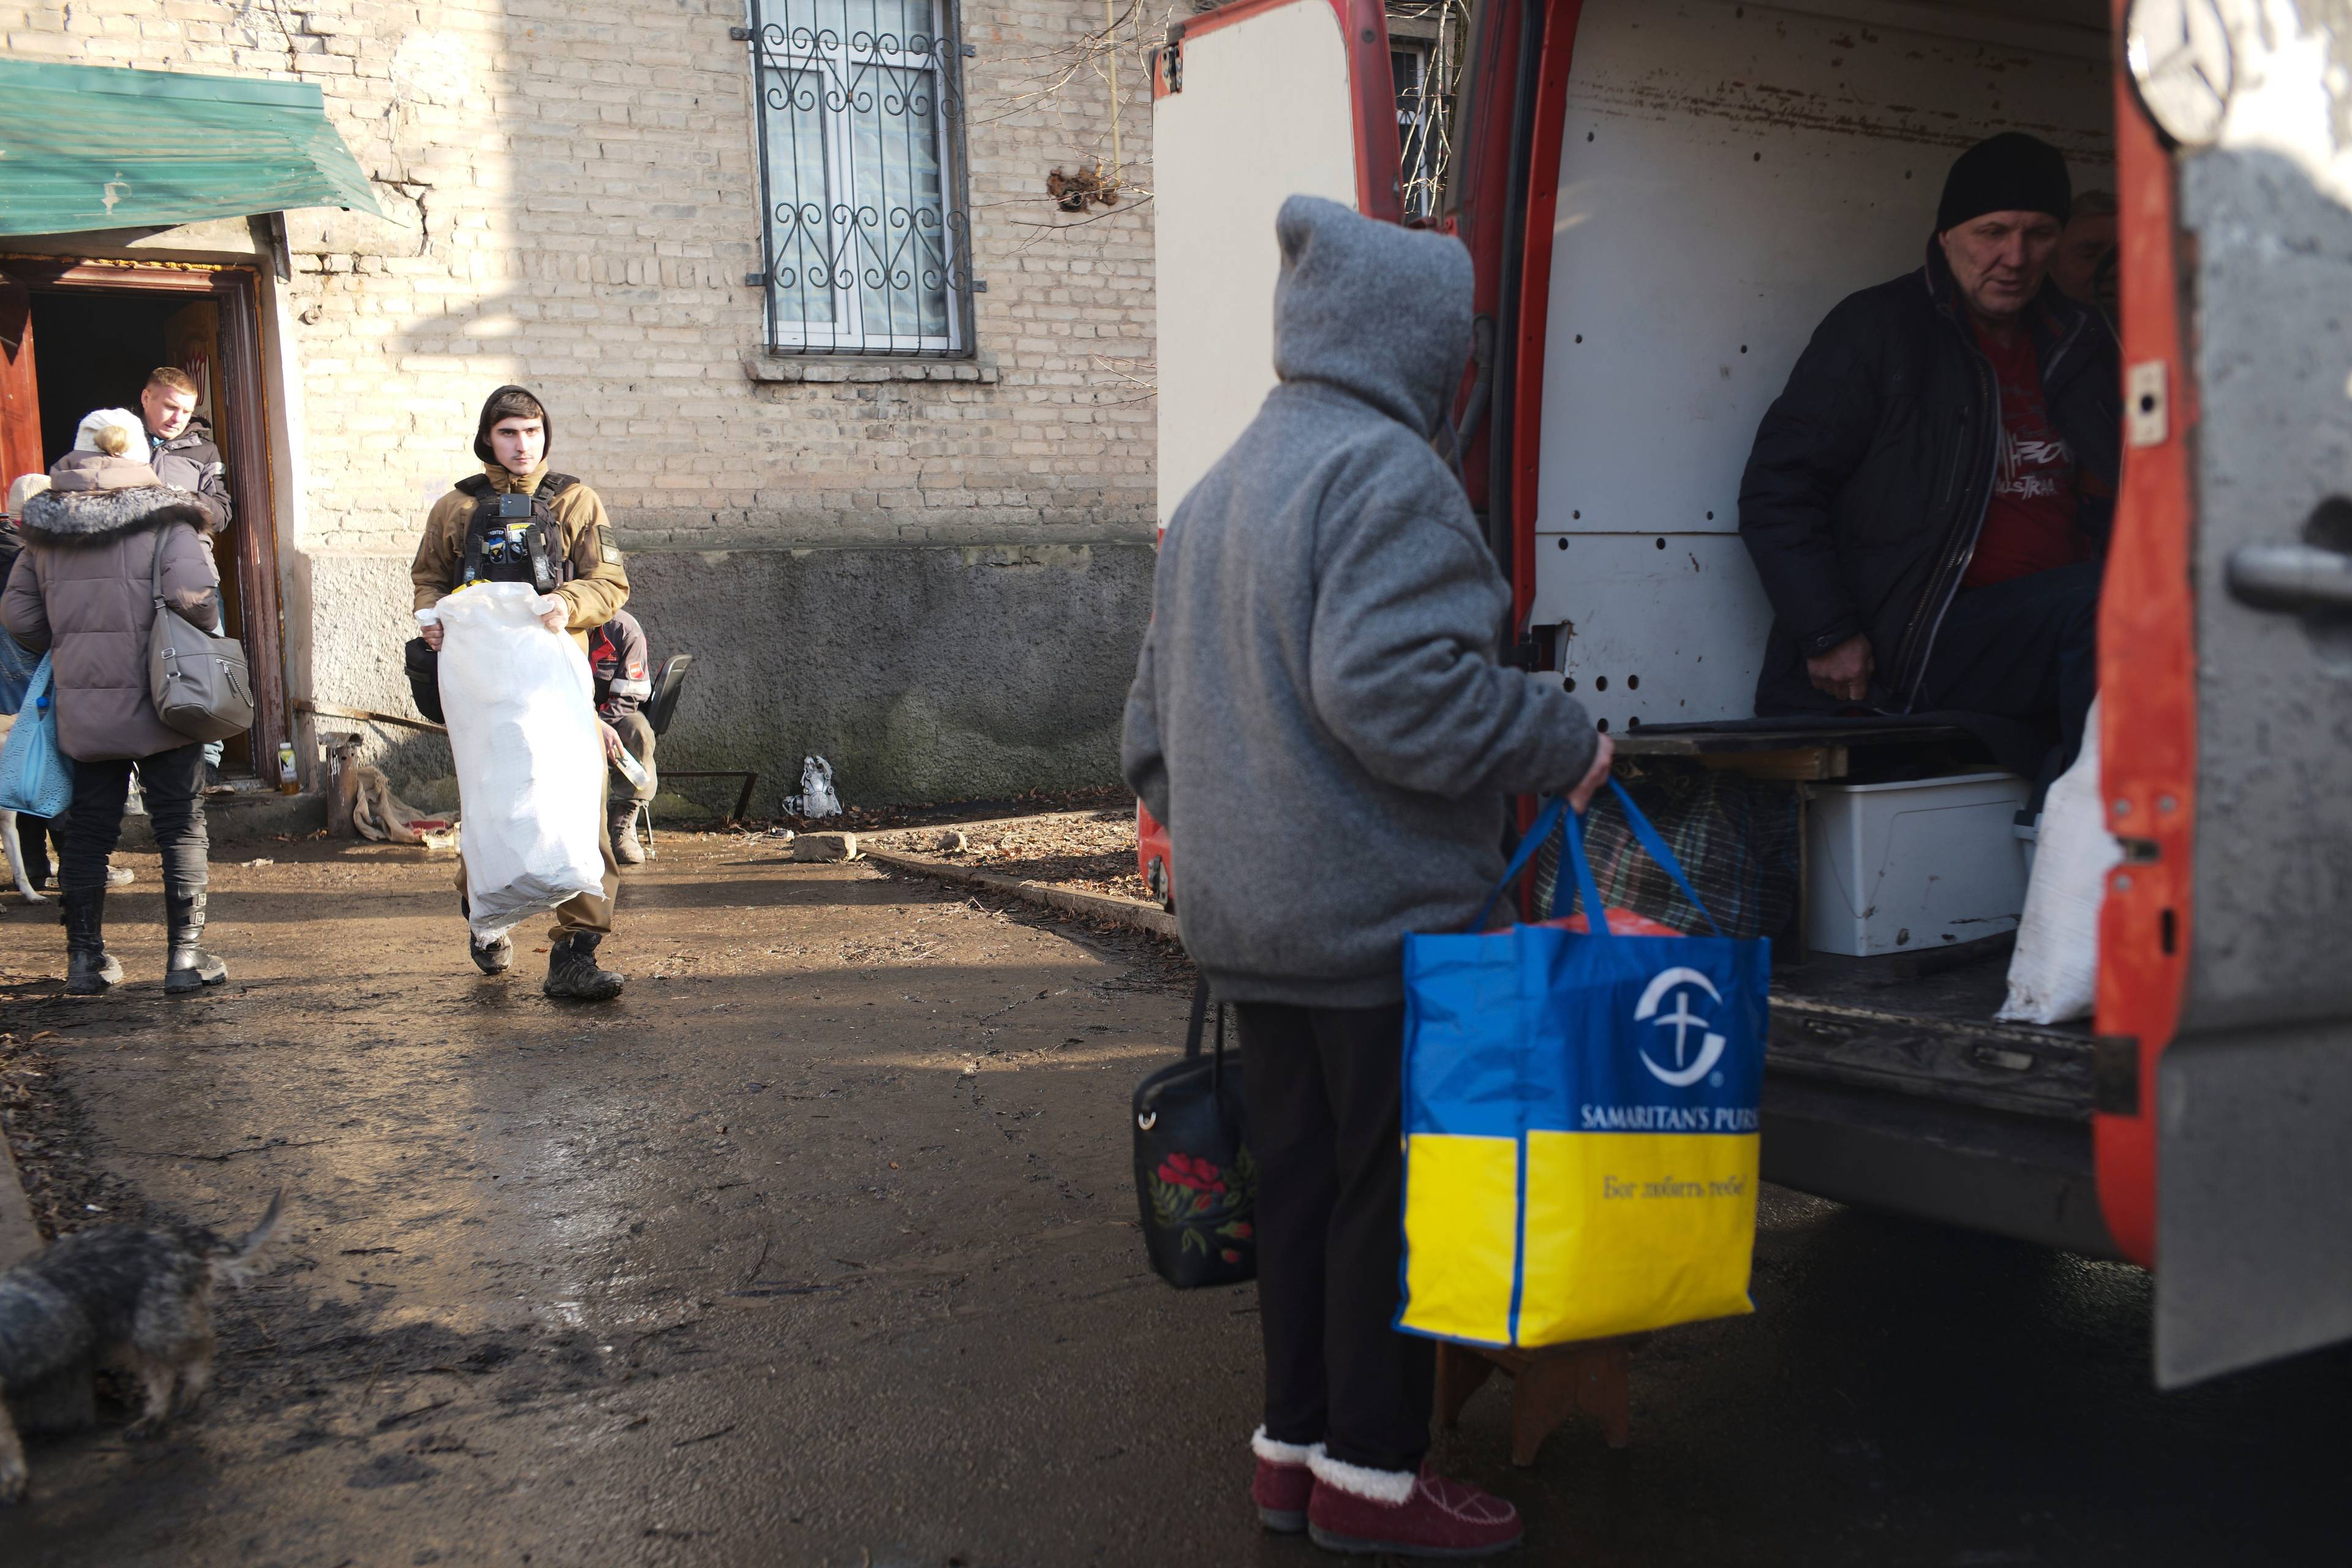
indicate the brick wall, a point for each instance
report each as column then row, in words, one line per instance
column 578, row 188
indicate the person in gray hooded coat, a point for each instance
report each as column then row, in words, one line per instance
column 1320, row 719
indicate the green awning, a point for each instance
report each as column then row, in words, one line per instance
column 89, row 147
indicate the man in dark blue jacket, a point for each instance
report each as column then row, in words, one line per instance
column 1927, row 502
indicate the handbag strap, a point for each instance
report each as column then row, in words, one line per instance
column 1595, row 916
column 155, row 567
column 1529, row 842
column 1193, row 1031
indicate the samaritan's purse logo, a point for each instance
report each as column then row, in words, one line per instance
column 1676, row 984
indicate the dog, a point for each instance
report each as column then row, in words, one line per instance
column 10, row 844
column 140, row 1299
column 14, row 848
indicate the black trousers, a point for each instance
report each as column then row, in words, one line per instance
column 173, row 784
column 2027, row 649
column 1325, row 1087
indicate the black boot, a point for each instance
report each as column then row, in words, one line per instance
column 189, row 968
column 90, row 968
column 572, row 970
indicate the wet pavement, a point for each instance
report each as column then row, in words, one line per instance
column 819, row 1247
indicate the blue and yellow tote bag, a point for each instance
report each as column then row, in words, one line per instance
column 1580, row 1121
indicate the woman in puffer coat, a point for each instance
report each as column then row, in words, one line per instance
column 81, row 592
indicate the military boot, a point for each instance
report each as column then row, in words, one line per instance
column 571, row 970
column 189, row 968
column 90, row 968
column 622, row 821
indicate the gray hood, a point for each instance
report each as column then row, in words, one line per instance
column 1377, row 311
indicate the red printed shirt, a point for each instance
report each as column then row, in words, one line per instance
column 2028, row 523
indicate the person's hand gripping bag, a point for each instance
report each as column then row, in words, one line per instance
column 1580, row 1120
column 520, row 709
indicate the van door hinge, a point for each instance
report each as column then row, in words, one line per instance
column 2115, row 1074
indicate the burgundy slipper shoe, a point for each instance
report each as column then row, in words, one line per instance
column 1362, row 1511
column 1283, row 1482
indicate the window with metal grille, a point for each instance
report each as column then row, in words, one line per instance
column 861, row 176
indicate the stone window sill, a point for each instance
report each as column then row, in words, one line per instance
column 772, row 367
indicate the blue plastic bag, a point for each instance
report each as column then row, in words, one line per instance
column 1580, row 1120
column 36, row 778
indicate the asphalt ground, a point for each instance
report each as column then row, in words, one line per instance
column 819, row 1247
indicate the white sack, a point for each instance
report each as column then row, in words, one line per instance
column 530, row 762
column 2054, row 976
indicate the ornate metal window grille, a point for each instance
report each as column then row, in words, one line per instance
column 861, row 176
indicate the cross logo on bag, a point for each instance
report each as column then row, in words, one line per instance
column 1676, row 984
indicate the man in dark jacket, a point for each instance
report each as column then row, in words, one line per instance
column 621, row 670
column 181, row 450
column 1927, row 502
column 179, row 446
column 1320, row 718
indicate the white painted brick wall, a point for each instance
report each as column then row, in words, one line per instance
column 580, row 201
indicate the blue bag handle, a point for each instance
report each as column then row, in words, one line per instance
column 1595, row 915
column 1529, row 842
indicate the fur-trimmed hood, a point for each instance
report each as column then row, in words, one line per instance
column 77, row 519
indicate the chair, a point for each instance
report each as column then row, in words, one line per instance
column 663, row 703
column 659, row 708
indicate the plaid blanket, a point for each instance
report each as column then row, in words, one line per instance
column 1736, row 838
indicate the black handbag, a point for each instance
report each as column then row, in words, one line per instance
column 424, row 668
column 1193, row 1173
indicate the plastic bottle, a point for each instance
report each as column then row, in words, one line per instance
column 287, row 783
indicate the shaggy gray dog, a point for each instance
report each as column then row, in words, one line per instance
column 140, row 1300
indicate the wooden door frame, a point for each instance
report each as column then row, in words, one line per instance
column 241, row 405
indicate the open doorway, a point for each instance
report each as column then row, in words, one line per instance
column 91, row 334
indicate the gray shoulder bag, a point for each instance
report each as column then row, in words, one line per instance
column 198, row 681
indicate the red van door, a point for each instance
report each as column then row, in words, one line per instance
column 2226, row 996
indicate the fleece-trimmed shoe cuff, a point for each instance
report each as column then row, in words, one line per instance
column 1392, row 1488
column 1275, row 1453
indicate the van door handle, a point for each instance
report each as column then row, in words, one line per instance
column 2290, row 576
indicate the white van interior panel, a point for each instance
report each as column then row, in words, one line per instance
column 1276, row 80
column 1729, row 172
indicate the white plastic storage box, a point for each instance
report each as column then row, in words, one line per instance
column 1925, row 863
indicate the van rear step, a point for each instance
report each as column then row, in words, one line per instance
column 1890, row 1088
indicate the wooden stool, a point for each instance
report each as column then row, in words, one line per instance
column 1547, row 1386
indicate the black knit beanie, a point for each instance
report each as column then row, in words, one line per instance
column 2009, row 173
column 510, row 402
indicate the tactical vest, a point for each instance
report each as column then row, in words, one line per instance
column 515, row 537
